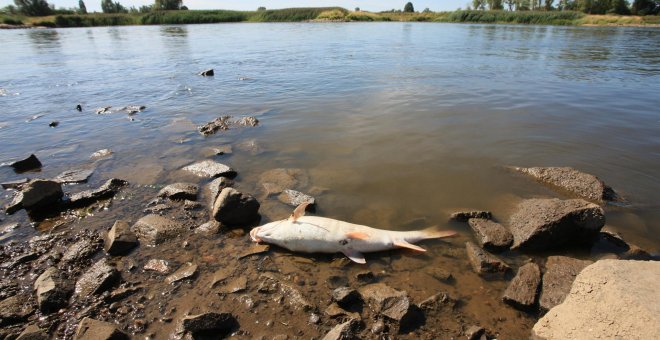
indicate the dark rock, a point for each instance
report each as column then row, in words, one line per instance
column 27, row 164
column 336, row 281
column 40, row 194
column 247, row 121
column 220, row 123
column 345, row 297
column 608, row 242
column 79, row 108
column 14, row 310
column 81, row 250
column 33, row 332
column 90, row 329
column 639, row 254
column 296, row 198
column 277, row 180
column 17, row 184
column 483, row 262
column 87, row 197
column 221, row 150
column 74, row 176
column 440, row 274
column 97, row 279
column 524, row 287
column 366, row 276
column 154, row 229
column 120, row 239
column 53, row 290
column 579, row 183
column 156, row 265
column 560, row 272
column 207, row 73
column 179, row 191
column 344, row 331
column 20, row 259
column 210, row 169
column 187, row 271
column 235, row 208
column 219, row 325
column 475, row 332
column 491, row 236
column 54, row 124
column 464, row 216
column 541, row 224
column 383, row 299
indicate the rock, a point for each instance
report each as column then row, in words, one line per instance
column 74, row 176
column 103, row 153
column 208, row 228
column 33, row 332
column 154, row 229
column 219, row 276
column 210, row 169
column 579, row 183
column 40, row 194
column 219, row 325
column 120, row 239
column 79, row 108
column 18, row 260
column 14, row 310
column 251, row 146
column 236, row 285
column 191, row 205
column 187, row 271
column 220, row 123
column 344, row 331
column 560, row 271
column 160, row 266
column 179, row 191
column 439, row 274
column 464, row 216
column 235, row 208
column 490, row 235
column 475, row 332
column 334, row 310
column 345, row 296
column 366, row 276
column 296, row 198
column 383, row 299
column 54, row 124
column 277, row 180
column 81, row 250
column 207, row 73
column 97, row 279
column 27, row 164
column 247, row 121
column 15, row 204
column 103, row 110
column 524, row 287
column 222, row 150
column 216, row 186
column 541, row 224
column 52, row 290
column 270, row 284
column 483, row 262
column 90, row 329
column 437, row 301
column 105, row 191
column 17, row 184
column 255, row 249
column 610, row 299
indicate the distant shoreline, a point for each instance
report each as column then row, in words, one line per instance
column 326, row 14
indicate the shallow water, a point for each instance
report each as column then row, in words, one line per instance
column 399, row 121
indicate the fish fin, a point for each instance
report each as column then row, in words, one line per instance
column 357, row 235
column 354, row 255
column 434, row 232
column 299, row 211
column 405, row 244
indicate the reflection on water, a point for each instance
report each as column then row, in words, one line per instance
column 44, row 39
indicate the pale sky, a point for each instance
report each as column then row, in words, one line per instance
column 367, row 5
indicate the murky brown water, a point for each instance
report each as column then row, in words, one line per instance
column 400, row 124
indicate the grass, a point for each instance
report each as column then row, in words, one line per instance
column 326, row 14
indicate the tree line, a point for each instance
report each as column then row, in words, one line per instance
column 623, row 7
column 42, row 7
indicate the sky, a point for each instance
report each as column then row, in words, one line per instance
column 367, row 5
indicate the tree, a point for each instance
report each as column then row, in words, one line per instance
column 112, row 7
column 408, row 8
column 82, row 9
column 510, row 4
column 34, row 8
column 645, row 7
column 168, row 5
column 357, row 9
column 426, row 10
column 548, row 5
column 495, row 4
column 479, row 4
column 262, row 8
column 619, row 7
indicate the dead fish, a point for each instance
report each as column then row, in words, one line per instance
column 313, row 234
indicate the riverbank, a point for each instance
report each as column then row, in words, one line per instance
column 335, row 14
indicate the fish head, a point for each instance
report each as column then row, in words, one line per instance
column 267, row 232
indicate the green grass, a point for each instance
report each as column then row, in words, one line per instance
column 192, row 17
column 89, row 20
column 523, row 17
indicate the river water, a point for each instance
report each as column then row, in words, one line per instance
column 398, row 122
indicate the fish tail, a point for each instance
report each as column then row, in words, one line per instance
column 435, row 232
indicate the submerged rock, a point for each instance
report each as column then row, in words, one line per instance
column 491, row 236
column 74, row 176
column 524, row 287
column 247, row 121
column 110, row 188
column 90, row 329
column 560, row 272
column 27, row 164
column 218, row 325
column 610, row 299
column 220, row 123
column 103, row 153
column 483, row 262
column 207, row 73
column 97, row 279
column 187, row 271
column 235, row 208
column 120, row 239
column 385, row 300
column 53, row 290
column 277, row 180
column 296, row 198
column 210, row 169
column 464, row 216
column 179, row 191
column 17, row 184
column 540, row 224
column 154, row 229
column 579, row 183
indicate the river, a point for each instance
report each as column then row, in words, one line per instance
column 397, row 122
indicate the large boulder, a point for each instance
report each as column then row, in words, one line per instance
column 541, row 224
column 97, row 279
column 492, row 236
column 120, row 239
column 53, row 290
column 524, row 287
column 40, row 194
column 610, row 299
column 232, row 207
column 90, row 329
column 155, row 229
column 560, row 271
column 576, row 182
